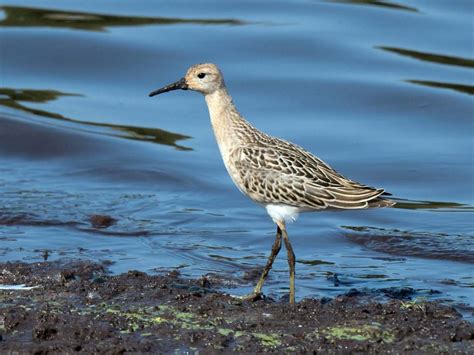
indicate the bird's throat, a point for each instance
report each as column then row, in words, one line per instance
column 220, row 105
column 225, row 119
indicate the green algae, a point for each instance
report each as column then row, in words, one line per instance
column 416, row 304
column 137, row 318
column 224, row 331
column 143, row 318
column 184, row 316
column 271, row 339
column 158, row 320
column 267, row 340
column 368, row 332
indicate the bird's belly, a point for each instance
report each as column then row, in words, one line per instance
column 281, row 212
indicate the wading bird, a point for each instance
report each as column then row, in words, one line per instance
column 280, row 176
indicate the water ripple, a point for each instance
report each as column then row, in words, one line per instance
column 457, row 247
column 431, row 57
column 16, row 16
column 379, row 3
column 438, row 206
column 15, row 98
column 465, row 89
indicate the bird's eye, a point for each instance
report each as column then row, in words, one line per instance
column 201, row 75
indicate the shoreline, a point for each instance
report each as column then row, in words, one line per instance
column 72, row 305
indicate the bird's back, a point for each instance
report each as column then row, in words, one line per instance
column 273, row 171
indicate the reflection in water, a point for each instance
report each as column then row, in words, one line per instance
column 431, row 57
column 456, row 247
column 466, row 89
column 31, row 17
column 439, row 59
column 432, row 205
column 378, row 3
column 12, row 98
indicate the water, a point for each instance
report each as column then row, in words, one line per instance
column 382, row 91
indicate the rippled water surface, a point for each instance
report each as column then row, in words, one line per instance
column 382, row 91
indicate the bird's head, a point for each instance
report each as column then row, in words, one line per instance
column 205, row 78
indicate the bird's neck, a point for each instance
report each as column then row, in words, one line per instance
column 221, row 108
column 225, row 119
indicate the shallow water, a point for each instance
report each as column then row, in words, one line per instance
column 380, row 90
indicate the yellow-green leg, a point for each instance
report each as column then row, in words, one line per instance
column 275, row 249
column 291, row 260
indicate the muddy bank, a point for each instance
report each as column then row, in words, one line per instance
column 76, row 306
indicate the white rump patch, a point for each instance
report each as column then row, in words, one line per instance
column 283, row 212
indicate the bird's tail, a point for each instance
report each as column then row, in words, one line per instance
column 380, row 203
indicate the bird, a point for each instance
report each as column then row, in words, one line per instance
column 280, row 176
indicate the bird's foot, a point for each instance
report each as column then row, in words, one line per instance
column 254, row 296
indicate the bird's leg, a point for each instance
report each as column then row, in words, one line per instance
column 275, row 249
column 291, row 260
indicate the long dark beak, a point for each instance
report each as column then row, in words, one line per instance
column 180, row 84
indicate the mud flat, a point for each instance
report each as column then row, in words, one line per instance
column 70, row 305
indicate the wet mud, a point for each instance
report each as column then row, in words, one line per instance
column 77, row 306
